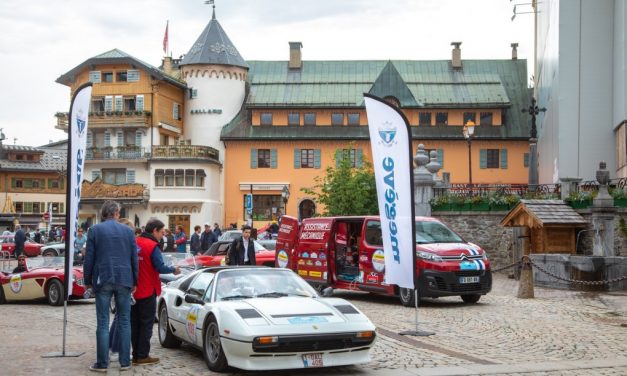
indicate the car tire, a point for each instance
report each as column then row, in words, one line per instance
column 166, row 337
column 49, row 253
column 407, row 297
column 212, row 347
column 471, row 298
column 3, row 299
column 55, row 293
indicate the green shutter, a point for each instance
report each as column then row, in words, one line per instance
column 359, row 158
column 61, row 209
column 503, row 158
column 253, row 158
column 526, row 160
column 316, row 158
column 296, row 158
column 338, row 157
column 483, row 158
column 28, row 183
column 441, row 157
column 12, row 182
column 273, row 162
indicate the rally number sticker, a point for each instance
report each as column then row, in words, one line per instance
column 16, row 283
column 282, row 258
column 190, row 325
column 378, row 260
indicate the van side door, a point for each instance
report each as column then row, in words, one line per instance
column 286, row 243
column 371, row 255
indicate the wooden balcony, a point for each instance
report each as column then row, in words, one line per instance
column 123, row 153
column 118, row 119
column 185, row 152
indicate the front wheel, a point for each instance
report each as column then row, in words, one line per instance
column 55, row 293
column 471, row 298
column 407, row 297
column 166, row 337
column 212, row 347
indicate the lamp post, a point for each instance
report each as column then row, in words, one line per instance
column 534, row 111
column 469, row 131
column 285, row 195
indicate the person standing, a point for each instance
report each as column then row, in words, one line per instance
column 111, row 269
column 216, row 230
column 180, row 239
column 37, row 236
column 242, row 250
column 207, row 238
column 148, row 288
column 194, row 243
column 19, row 239
column 79, row 246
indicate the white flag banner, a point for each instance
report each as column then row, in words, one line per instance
column 79, row 115
column 390, row 139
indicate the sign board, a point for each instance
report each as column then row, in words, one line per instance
column 248, row 202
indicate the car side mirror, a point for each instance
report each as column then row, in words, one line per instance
column 193, row 299
column 327, row 292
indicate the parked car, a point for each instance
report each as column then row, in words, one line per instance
column 43, row 279
column 215, row 255
column 53, row 249
column 269, row 244
column 31, row 249
column 257, row 318
column 231, row 235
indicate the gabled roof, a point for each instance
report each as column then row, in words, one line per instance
column 542, row 213
column 116, row 56
column 52, row 160
column 213, row 46
column 390, row 83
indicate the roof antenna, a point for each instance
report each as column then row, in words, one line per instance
column 210, row 2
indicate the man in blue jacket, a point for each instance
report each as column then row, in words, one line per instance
column 110, row 267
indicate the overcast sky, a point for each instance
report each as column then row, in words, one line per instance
column 42, row 39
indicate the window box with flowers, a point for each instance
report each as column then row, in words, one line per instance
column 478, row 203
column 620, row 197
column 580, row 199
column 441, row 203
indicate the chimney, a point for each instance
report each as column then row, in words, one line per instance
column 295, row 55
column 167, row 64
column 514, row 51
column 456, row 61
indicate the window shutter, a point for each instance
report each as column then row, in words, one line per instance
column 316, row 158
column 108, row 103
column 90, row 139
column 132, row 75
column 526, row 160
column 12, row 182
column 138, row 138
column 107, row 138
column 359, row 158
column 175, row 111
column 503, row 158
column 253, row 158
column 61, row 208
column 130, row 176
column 139, row 103
column 120, row 138
column 338, row 157
column 118, row 103
column 296, row 158
column 441, row 157
column 273, row 161
column 95, row 174
column 94, row 77
column 483, row 158
column 50, row 183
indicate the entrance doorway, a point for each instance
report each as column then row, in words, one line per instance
column 306, row 209
column 176, row 220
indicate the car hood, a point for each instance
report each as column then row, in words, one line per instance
column 295, row 310
column 451, row 249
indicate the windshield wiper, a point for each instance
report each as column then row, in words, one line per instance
column 233, row 297
column 272, row 294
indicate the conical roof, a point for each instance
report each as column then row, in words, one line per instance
column 213, row 46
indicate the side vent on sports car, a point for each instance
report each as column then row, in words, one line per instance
column 346, row 309
column 248, row 313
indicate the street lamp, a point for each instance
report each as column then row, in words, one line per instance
column 285, row 195
column 469, row 131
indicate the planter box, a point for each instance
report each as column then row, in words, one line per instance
column 579, row 204
column 441, row 207
column 480, row 206
column 460, row 207
column 499, row 207
column 620, row 202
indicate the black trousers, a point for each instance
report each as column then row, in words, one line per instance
column 142, row 321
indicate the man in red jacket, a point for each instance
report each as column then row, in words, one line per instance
column 148, row 288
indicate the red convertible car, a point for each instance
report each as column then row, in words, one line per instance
column 43, row 278
column 215, row 255
column 31, row 249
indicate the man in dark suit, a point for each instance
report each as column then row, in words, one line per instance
column 242, row 250
column 20, row 239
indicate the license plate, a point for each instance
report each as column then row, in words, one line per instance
column 468, row 279
column 312, row 360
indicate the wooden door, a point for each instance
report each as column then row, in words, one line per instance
column 179, row 220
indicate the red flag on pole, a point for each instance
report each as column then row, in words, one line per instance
column 165, row 38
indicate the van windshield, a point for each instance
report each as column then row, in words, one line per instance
column 426, row 232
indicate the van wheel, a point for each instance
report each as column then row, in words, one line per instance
column 471, row 298
column 407, row 297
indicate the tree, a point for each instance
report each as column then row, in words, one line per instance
column 346, row 190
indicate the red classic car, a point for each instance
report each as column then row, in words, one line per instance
column 43, row 278
column 31, row 249
column 215, row 255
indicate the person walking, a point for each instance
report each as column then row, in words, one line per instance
column 19, row 239
column 194, row 243
column 180, row 239
column 111, row 269
column 207, row 238
column 242, row 250
column 148, row 288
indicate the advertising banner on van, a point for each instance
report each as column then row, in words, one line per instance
column 77, row 133
column 390, row 139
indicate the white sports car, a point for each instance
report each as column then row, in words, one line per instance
column 258, row 318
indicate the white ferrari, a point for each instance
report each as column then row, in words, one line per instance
column 258, row 318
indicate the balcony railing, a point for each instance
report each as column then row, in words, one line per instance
column 185, row 152
column 120, row 153
column 109, row 119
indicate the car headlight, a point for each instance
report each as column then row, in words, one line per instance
column 429, row 256
column 80, row 281
column 485, row 256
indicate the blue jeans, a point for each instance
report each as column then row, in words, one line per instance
column 123, row 311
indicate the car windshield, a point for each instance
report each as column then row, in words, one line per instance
column 44, row 262
column 247, row 283
column 435, row 232
column 183, row 260
column 231, row 235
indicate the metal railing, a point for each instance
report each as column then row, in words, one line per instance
column 521, row 190
column 102, row 119
column 185, row 152
column 121, row 153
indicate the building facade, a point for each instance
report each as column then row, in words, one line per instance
column 581, row 80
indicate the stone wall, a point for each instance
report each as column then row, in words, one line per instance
column 620, row 240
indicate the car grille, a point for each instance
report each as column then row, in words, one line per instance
column 309, row 343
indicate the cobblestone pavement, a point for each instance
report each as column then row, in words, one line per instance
column 557, row 333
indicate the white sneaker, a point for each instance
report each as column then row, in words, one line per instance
column 113, row 356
